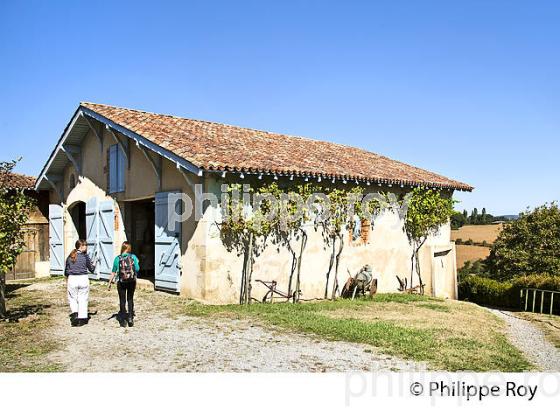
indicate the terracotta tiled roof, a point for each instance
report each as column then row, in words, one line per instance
column 218, row 147
column 14, row 180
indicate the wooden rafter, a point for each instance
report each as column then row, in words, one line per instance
column 70, row 151
column 156, row 164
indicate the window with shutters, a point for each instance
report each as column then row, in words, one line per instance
column 117, row 169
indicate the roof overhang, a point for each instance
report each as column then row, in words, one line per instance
column 78, row 128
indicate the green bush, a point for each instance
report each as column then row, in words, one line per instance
column 486, row 291
column 469, row 242
column 458, row 241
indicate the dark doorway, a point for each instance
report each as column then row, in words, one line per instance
column 78, row 214
column 140, row 225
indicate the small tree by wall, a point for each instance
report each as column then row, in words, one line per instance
column 245, row 230
column 15, row 207
column 427, row 211
column 341, row 207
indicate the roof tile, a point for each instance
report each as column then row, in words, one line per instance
column 217, row 147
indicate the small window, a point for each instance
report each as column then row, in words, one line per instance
column 116, row 169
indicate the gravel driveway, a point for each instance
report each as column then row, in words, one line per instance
column 160, row 342
column 531, row 341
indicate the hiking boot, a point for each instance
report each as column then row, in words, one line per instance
column 122, row 322
column 81, row 322
column 74, row 319
column 130, row 322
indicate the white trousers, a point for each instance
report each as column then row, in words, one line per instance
column 78, row 294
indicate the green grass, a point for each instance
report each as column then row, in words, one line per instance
column 435, row 340
column 23, row 340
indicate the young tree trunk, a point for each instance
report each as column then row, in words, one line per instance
column 412, row 259
column 293, row 268
column 242, row 290
column 417, row 258
column 331, row 263
column 3, row 312
column 298, row 275
column 337, row 262
column 249, row 272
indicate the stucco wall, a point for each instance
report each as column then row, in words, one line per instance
column 388, row 251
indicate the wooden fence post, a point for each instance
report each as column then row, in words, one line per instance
column 551, row 301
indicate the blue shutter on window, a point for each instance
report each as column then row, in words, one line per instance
column 121, row 161
column 113, row 168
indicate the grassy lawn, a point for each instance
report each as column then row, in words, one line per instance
column 550, row 325
column 448, row 335
column 23, row 340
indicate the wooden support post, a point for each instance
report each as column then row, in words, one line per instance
column 542, row 300
column 551, row 301
column 526, row 298
column 534, row 299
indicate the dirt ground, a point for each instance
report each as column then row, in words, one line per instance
column 162, row 340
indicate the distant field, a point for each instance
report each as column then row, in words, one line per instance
column 470, row 253
column 477, row 233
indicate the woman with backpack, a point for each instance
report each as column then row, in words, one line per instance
column 125, row 269
column 78, row 265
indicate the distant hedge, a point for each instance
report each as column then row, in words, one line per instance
column 486, row 291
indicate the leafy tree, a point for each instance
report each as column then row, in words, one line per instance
column 245, row 230
column 474, row 217
column 15, row 207
column 528, row 245
column 465, row 215
column 427, row 211
column 287, row 229
column 337, row 216
column 458, row 219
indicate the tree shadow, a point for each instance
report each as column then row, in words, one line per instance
column 12, row 287
column 16, row 314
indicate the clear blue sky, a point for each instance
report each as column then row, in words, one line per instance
column 468, row 89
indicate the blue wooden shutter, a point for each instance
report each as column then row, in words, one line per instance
column 167, row 242
column 56, row 239
column 113, row 168
column 121, row 169
column 106, row 239
column 92, row 233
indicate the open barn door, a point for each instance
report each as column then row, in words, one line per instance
column 167, row 241
column 106, row 239
column 92, row 233
column 56, row 239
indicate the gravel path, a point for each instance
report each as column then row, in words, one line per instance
column 531, row 341
column 159, row 342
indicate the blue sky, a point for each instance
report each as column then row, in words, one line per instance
column 468, row 89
